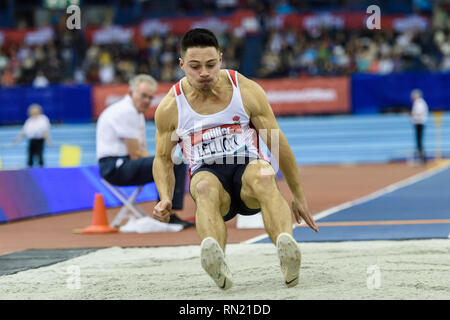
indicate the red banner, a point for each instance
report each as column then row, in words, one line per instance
column 308, row 95
column 353, row 21
column 286, row 96
column 244, row 19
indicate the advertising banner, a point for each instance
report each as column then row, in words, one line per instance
column 286, row 96
column 308, row 95
column 44, row 191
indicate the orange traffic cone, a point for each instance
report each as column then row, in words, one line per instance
column 99, row 219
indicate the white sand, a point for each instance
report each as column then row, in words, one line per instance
column 416, row 269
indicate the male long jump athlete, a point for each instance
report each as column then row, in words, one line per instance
column 216, row 116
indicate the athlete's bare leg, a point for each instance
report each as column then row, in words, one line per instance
column 212, row 203
column 260, row 190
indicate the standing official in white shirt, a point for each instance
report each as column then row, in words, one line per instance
column 419, row 117
column 37, row 130
column 121, row 143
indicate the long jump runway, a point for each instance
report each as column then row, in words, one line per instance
column 334, row 265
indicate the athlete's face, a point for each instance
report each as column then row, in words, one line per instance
column 201, row 66
column 142, row 95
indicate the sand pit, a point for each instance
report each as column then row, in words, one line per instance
column 413, row 269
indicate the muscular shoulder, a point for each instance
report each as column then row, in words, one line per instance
column 253, row 96
column 166, row 115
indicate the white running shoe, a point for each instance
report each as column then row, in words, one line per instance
column 290, row 258
column 213, row 262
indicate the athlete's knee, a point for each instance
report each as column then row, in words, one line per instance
column 205, row 189
column 202, row 187
column 261, row 178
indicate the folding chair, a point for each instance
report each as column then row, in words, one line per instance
column 129, row 204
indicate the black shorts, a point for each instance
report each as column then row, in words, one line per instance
column 230, row 175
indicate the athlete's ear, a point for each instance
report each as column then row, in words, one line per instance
column 180, row 60
column 220, row 57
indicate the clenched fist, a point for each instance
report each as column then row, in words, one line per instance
column 162, row 210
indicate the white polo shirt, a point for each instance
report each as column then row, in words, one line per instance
column 119, row 121
column 36, row 127
column 419, row 113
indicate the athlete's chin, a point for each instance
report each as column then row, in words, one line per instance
column 205, row 85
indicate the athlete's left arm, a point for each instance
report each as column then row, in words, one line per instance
column 263, row 118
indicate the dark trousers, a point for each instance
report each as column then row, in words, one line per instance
column 122, row 171
column 419, row 128
column 35, row 149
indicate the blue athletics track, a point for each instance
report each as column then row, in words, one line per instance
column 416, row 208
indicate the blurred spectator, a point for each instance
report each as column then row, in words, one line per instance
column 445, row 65
column 37, row 130
column 79, row 76
column 385, row 64
column 331, row 52
column 271, row 65
column 40, row 81
column 419, row 116
column 284, row 7
column 227, row 4
column 106, row 71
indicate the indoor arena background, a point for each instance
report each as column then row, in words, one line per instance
column 338, row 75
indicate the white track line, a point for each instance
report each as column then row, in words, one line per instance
column 393, row 187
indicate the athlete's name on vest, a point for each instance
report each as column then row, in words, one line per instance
column 216, row 141
column 211, row 133
column 216, row 146
column 238, row 309
column 216, row 132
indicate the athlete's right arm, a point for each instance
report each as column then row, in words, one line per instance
column 165, row 120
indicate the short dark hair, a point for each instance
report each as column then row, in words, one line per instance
column 198, row 38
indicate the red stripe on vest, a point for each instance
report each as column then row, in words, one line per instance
column 177, row 88
column 233, row 76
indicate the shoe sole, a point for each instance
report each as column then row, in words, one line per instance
column 213, row 262
column 290, row 259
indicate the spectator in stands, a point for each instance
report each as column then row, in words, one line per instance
column 121, row 143
column 37, row 130
column 385, row 64
column 270, row 65
column 288, row 51
column 419, row 115
column 106, row 72
column 3, row 60
column 40, row 81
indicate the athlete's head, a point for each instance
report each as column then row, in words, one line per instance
column 142, row 90
column 200, row 58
